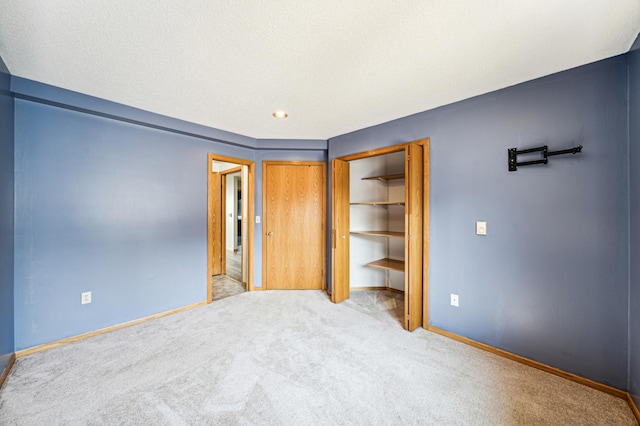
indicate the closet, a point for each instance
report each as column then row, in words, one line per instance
column 379, row 217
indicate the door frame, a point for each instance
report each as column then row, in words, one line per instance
column 425, row 214
column 265, row 218
column 250, row 224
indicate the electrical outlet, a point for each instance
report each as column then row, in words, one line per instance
column 454, row 300
column 85, row 298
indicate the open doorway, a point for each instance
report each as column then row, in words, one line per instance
column 232, row 181
column 230, row 232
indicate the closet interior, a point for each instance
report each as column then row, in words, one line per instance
column 378, row 205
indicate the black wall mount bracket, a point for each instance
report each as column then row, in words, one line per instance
column 513, row 155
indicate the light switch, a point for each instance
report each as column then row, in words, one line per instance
column 481, row 228
column 257, row 219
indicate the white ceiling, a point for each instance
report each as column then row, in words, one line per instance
column 334, row 65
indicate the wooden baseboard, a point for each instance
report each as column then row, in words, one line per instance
column 633, row 406
column 367, row 288
column 67, row 340
column 7, row 369
column 531, row 363
column 393, row 290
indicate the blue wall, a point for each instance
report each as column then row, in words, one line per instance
column 6, row 219
column 550, row 279
column 109, row 205
column 634, row 247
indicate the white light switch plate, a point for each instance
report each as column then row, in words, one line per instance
column 257, row 219
column 481, row 228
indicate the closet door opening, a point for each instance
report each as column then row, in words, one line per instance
column 379, row 234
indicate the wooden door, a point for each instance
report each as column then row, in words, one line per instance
column 414, row 170
column 340, row 289
column 216, row 224
column 294, row 238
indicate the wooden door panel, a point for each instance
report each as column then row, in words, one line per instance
column 414, row 170
column 294, row 226
column 340, row 286
column 216, row 224
column 425, row 235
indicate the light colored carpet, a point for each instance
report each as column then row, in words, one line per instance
column 387, row 306
column 290, row 358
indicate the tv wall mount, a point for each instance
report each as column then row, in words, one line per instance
column 513, row 155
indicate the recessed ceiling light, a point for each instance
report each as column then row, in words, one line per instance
column 280, row 114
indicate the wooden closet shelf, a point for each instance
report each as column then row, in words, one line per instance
column 380, row 233
column 393, row 264
column 379, row 203
column 385, row 177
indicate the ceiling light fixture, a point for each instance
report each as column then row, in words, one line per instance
column 280, row 114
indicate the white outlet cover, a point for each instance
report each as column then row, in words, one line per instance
column 85, row 298
column 481, row 228
column 454, row 300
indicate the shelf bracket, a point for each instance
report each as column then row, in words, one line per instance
column 513, row 155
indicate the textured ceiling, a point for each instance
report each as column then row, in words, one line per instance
column 334, row 65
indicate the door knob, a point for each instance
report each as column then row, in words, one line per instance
column 270, row 233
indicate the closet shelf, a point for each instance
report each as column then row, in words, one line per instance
column 379, row 203
column 393, row 264
column 380, row 233
column 385, row 177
